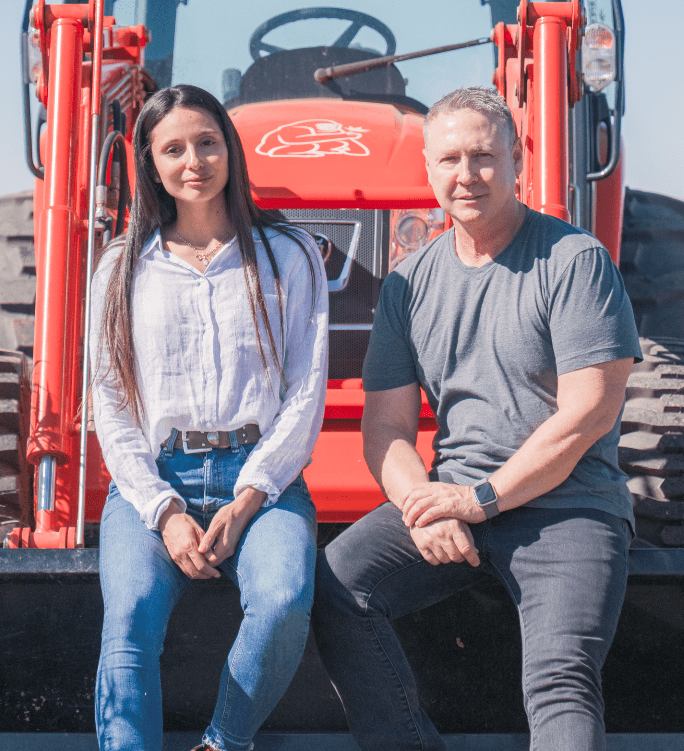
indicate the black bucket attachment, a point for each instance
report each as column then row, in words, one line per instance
column 51, row 616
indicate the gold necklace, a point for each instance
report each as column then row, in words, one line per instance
column 205, row 258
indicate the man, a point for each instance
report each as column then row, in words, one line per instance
column 518, row 328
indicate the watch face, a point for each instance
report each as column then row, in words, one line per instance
column 484, row 493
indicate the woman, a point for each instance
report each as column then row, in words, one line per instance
column 211, row 341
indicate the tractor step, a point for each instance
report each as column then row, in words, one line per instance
column 337, row 742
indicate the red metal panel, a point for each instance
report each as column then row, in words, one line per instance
column 97, row 485
column 341, row 485
column 564, row 11
column 356, row 154
column 609, row 209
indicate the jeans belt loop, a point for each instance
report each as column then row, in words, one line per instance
column 234, row 446
column 170, row 443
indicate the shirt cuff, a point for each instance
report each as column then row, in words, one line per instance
column 158, row 505
column 259, row 483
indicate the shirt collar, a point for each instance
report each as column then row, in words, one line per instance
column 154, row 242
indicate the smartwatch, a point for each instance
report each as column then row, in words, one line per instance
column 486, row 498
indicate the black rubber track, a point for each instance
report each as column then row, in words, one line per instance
column 17, row 273
column 652, row 445
column 652, row 262
column 16, row 493
column 17, row 314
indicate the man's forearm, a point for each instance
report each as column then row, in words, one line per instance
column 397, row 467
column 589, row 402
column 394, row 462
column 544, row 461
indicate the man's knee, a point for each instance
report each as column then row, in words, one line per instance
column 563, row 682
column 333, row 588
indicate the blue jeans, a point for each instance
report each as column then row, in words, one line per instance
column 274, row 570
column 565, row 570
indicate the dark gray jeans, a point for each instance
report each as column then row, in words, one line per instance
column 566, row 571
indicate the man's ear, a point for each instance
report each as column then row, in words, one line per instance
column 517, row 153
column 427, row 165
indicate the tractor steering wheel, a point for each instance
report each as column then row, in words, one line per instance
column 258, row 48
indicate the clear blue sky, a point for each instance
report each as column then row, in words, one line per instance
column 654, row 144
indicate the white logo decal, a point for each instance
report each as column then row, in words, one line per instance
column 313, row 138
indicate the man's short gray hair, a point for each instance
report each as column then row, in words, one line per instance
column 487, row 102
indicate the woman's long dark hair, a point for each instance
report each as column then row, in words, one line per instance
column 154, row 208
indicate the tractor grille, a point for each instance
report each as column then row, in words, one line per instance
column 351, row 308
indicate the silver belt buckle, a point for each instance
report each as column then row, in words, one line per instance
column 186, row 448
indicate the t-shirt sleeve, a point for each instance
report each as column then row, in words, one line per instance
column 389, row 361
column 590, row 317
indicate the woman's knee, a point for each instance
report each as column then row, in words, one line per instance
column 136, row 621
column 280, row 603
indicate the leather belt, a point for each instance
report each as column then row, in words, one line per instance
column 192, row 441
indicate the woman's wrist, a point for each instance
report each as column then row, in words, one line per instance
column 251, row 498
column 171, row 510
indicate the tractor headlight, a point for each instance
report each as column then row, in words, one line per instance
column 410, row 229
column 35, row 60
column 598, row 56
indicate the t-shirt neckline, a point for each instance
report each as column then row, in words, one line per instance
column 487, row 268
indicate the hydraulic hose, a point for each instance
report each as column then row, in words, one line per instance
column 115, row 143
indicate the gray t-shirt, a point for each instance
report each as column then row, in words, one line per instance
column 488, row 344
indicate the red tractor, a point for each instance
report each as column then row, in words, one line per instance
column 331, row 121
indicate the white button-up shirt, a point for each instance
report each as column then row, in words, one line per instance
column 199, row 368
